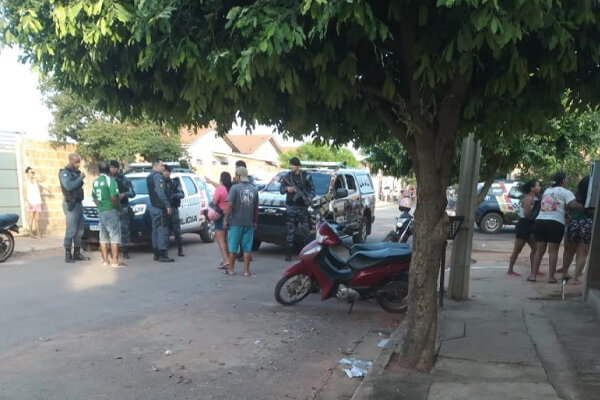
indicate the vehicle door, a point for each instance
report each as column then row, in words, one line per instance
column 190, row 205
column 339, row 206
column 205, row 198
column 367, row 193
column 353, row 211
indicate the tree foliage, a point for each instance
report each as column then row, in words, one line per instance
column 314, row 152
column 425, row 72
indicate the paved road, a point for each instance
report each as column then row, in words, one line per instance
column 84, row 331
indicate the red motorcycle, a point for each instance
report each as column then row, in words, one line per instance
column 378, row 270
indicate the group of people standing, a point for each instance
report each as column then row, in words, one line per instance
column 543, row 223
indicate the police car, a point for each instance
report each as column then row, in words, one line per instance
column 192, row 213
column 500, row 207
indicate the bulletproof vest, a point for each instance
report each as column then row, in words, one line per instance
column 154, row 199
column 172, row 187
column 123, row 187
column 75, row 195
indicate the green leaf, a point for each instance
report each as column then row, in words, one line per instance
column 122, row 14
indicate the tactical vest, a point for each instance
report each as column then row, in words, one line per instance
column 75, row 195
column 154, row 199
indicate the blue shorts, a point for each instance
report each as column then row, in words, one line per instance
column 243, row 235
column 219, row 224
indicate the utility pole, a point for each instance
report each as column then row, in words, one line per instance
column 592, row 280
column 458, row 286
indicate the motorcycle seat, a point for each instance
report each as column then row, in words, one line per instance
column 368, row 259
column 8, row 220
column 378, row 246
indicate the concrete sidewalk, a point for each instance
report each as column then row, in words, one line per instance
column 512, row 340
column 24, row 244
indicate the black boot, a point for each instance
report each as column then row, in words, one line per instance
column 68, row 256
column 288, row 254
column 77, row 256
column 156, row 254
column 164, row 257
column 126, row 253
column 180, row 249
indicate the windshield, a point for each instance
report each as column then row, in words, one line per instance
column 139, row 185
column 320, row 180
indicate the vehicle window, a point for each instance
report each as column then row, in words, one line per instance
column 189, row 186
column 515, row 193
column 202, row 187
column 351, row 184
column 339, row 182
column 275, row 183
column 364, row 183
column 320, row 181
column 496, row 191
column 140, row 186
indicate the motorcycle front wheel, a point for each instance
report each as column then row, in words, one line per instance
column 7, row 245
column 392, row 295
column 391, row 237
column 292, row 289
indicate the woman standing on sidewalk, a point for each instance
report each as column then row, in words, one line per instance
column 550, row 224
column 219, row 203
column 33, row 198
column 579, row 234
column 530, row 206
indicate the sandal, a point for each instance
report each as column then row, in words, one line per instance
column 226, row 272
column 530, row 279
column 513, row 273
column 226, row 266
column 247, row 274
column 552, row 280
column 118, row 265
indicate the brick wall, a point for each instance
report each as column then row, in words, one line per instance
column 47, row 158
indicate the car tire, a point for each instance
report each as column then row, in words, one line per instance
column 361, row 235
column 491, row 223
column 256, row 244
column 208, row 234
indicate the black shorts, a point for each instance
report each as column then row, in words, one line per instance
column 524, row 228
column 548, row 231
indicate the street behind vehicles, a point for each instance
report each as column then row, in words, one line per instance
column 344, row 195
column 192, row 213
column 404, row 224
column 8, row 222
column 378, row 270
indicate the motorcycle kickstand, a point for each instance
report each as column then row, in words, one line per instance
column 351, row 306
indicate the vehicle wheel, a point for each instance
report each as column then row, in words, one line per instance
column 256, row 244
column 391, row 237
column 492, row 223
column 7, row 245
column 392, row 295
column 208, row 234
column 361, row 235
column 292, row 289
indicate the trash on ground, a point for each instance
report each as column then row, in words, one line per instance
column 358, row 367
column 118, row 357
column 257, row 342
column 168, row 353
column 43, row 339
column 155, row 369
column 382, row 343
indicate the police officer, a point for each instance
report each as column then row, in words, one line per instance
column 174, row 194
column 71, row 183
column 300, row 191
column 126, row 192
column 160, row 211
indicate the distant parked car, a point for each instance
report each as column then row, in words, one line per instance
column 192, row 212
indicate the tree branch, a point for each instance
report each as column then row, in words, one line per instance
column 398, row 130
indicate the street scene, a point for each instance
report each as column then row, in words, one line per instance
column 299, row 199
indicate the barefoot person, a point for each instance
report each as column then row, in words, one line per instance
column 33, row 198
column 579, row 234
column 550, row 225
column 524, row 229
column 219, row 203
column 241, row 218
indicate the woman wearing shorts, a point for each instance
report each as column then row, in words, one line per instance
column 549, row 226
column 220, row 200
column 524, row 230
column 33, row 199
column 579, row 234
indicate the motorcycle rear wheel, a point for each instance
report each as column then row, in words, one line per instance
column 292, row 289
column 7, row 245
column 392, row 295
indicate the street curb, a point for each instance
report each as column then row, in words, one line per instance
column 366, row 389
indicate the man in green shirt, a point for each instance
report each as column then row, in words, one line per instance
column 105, row 192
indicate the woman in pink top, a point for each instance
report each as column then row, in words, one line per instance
column 220, row 200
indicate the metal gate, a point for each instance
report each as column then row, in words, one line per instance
column 10, row 191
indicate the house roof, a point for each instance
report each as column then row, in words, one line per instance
column 189, row 134
column 248, row 144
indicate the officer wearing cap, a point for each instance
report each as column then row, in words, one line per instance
column 160, row 211
column 174, row 194
column 126, row 192
column 299, row 189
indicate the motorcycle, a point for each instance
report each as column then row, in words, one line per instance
column 8, row 222
column 378, row 270
column 404, row 224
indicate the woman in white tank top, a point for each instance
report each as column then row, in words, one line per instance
column 33, row 199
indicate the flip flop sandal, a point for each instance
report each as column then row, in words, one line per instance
column 247, row 275
column 226, row 266
column 552, row 281
column 530, row 279
column 229, row 274
column 118, row 265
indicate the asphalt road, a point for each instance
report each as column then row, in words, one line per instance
column 175, row 331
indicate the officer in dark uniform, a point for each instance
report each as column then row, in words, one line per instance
column 71, row 183
column 160, row 211
column 174, row 194
column 126, row 192
column 300, row 191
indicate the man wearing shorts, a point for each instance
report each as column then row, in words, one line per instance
column 241, row 218
column 105, row 192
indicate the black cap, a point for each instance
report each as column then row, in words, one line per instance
column 114, row 163
column 295, row 161
column 167, row 167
